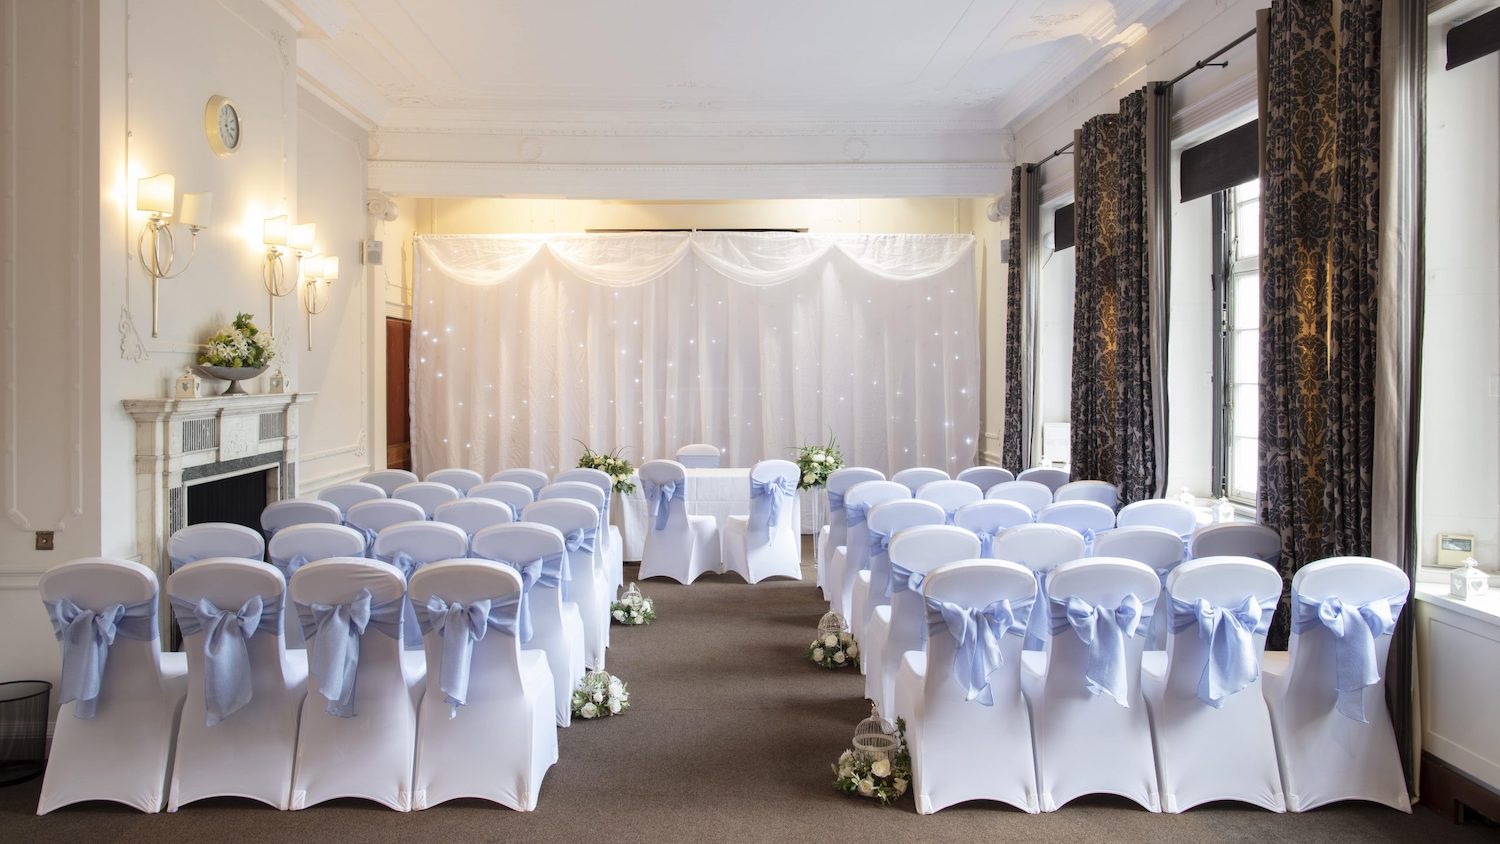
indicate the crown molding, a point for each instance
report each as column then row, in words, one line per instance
column 688, row 181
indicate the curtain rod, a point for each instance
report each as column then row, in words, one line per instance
column 1209, row 61
column 1055, row 153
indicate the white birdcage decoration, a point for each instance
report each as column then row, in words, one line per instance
column 831, row 624
column 875, row 738
column 631, row 593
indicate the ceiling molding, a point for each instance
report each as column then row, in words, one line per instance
column 765, row 123
column 320, row 71
column 688, row 181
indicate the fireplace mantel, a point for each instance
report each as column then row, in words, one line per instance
column 180, row 442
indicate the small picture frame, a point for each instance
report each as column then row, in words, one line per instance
column 186, row 386
column 1454, row 548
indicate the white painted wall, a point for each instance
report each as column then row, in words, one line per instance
column 1460, row 491
column 111, row 92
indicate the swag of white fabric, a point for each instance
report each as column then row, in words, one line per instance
column 525, row 345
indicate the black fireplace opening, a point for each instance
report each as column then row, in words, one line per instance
column 237, row 499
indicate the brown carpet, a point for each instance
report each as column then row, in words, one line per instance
column 730, row 736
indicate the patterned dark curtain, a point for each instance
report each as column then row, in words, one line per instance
column 1134, row 435
column 1319, row 272
column 1095, row 299
column 1014, row 427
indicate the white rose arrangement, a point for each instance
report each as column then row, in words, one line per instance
column 600, row 695
column 882, row 777
column 633, row 608
column 817, row 462
column 613, row 464
column 834, row 651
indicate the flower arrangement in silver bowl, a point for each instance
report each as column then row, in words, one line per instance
column 633, row 608
column 613, row 463
column 236, row 353
column 600, row 695
column 817, row 462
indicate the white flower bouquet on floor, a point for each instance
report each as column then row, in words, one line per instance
column 600, row 695
column 817, row 462
column 613, row 464
column 882, row 776
column 834, row 650
column 633, row 608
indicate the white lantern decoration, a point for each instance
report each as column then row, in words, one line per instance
column 1467, row 580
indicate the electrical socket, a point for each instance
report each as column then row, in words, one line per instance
column 44, row 540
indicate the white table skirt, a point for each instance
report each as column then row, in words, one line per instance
column 720, row 493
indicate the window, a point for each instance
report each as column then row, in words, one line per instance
column 1237, row 352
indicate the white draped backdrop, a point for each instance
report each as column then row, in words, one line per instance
column 525, row 345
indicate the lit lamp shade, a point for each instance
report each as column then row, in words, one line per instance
column 312, row 267
column 156, row 195
column 302, row 236
column 196, row 209
column 330, row 269
column 274, row 231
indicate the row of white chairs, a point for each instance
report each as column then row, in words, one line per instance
column 1097, row 712
column 354, row 715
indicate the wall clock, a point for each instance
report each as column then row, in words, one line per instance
column 221, row 122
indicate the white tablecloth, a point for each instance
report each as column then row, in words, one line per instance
column 720, row 493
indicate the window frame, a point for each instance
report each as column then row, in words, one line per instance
column 1226, row 269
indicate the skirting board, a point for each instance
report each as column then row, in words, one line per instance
column 1449, row 791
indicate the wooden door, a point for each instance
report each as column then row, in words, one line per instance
column 398, row 393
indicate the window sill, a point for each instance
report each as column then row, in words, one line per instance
column 1485, row 608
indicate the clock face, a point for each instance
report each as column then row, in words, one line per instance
column 221, row 123
column 229, row 126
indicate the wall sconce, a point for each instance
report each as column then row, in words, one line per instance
column 280, row 237
column 157, row 196
column 319, row 272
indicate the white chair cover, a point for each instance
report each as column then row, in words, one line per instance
column 532, row 479
column 1103, row 492
column 966, row 721
column 873, row 587
column 853, row 556
column 298, row 545
column 699, row 456
column 409, row 546
column 366, row 751
column 1237, row 539
column 611, row 543
column 1089, row 518
column 427, row 495
column 344, row 496
column 214, row 539
column 901, row 626
column 390, row 480
column 985, row 477
column 989, row 518
column 833, row 534
column 1172, row 515
column 1326, row 693
column 918, row 477
column 556, row 623
column 511, row 494
column 1040, row 548
column 578, row 522
column 587, row 492
column 950, row 495
column 298, row 511
column 248, row 752
column 1093, row 734
column 677, row 545
column 473, row 514
column 767, row 543
column 459, row 479
column 1033, row 495
column 1158, row 548
column 499, row 742
column 121, row 752
column 1221, row 608
column 1051, row 478
column 372, row 517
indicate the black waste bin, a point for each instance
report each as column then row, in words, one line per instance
column 23, row 729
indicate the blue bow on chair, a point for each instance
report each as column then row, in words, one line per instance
column 835, row 502
column 904, row 579
column 1105, row 631
column 581, row 539
column 407, row 565
column 1355, row 630
column 1231, row 661
column 978, row 631
column 460, row 626
column 1089, row 535
column 333, row 632
column 370, row 534
column 227, row 684
column 290, row 566
column 660, row 496
column 949, row 516
column 531, row 574
column 855, row 514
column 775, row 493
column 880, row 543
column 86, row 637
column 987, row 542
column 1038, row 627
